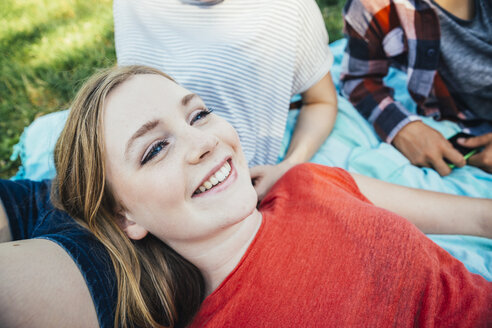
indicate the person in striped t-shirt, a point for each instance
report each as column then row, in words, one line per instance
column 246, row 58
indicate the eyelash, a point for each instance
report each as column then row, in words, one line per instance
column 159, row 146
column 154, row 151
column 203, row 113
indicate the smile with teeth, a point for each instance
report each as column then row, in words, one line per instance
column 215, row 178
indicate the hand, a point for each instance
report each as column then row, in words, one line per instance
column 424, row 146
column 265, row 176
column 483, row 159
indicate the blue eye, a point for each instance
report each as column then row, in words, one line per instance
column 154, row 151
column 201, row 115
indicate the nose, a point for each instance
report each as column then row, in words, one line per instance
column 201, row 145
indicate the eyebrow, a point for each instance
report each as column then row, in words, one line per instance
column 186, row 99
column 147, row 127
column 150, row 125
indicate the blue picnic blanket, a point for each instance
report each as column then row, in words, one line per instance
column 353, row 145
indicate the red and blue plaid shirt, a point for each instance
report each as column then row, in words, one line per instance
column 400, row 33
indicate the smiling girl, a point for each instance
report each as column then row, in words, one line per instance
column 163, row 184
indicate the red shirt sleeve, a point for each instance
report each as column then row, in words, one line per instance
column 319, row 178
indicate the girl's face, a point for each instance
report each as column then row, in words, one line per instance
column 177, row 170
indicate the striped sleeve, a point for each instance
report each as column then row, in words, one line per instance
column 313, row 56
column 373, row 36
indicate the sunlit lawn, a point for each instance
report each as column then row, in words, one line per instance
column 48, row 47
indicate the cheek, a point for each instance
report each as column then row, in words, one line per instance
column 229, row 135
column 148, row 197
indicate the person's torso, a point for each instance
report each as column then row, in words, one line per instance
column 325, row 257
column 466, row 59
column 239, row 56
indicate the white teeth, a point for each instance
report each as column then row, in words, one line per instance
column 215, row 179
column 225, row 172
column 220, row 176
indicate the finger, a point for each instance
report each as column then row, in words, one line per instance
column 474, row 142
column 454, row 156
column 476, row 160
column 480, row 160
column 260, row 190
column 256, row 171
column 256, row 177
column 440, row 166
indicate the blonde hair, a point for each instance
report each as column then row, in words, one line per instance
column 156, row 286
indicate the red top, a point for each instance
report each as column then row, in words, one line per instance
column 326, row 257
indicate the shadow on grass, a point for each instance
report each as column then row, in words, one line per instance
column 55, row 84
column 15, row 42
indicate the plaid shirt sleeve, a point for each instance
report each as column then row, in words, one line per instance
column 374, row 35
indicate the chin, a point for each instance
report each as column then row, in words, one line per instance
column 250, row 201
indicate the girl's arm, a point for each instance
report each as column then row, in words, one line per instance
column 314, row 125
column 431, row 212
column 42, row 287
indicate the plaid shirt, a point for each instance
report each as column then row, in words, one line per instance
column 404, row 34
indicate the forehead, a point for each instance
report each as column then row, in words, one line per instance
column 144, row 91
column 137, row 101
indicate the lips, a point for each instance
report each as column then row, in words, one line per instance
column 216, row 178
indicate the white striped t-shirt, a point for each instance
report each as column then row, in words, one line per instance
column 245, row 58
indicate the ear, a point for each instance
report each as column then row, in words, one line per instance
column 132, row 230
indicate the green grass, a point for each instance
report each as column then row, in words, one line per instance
column 332, row 14
column 48, row 47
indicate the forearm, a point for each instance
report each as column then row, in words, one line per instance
column 364, row 66
column 431, row 212
column 315, row 121
column 389, row 116
column 5, row 234
column 314, row 124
